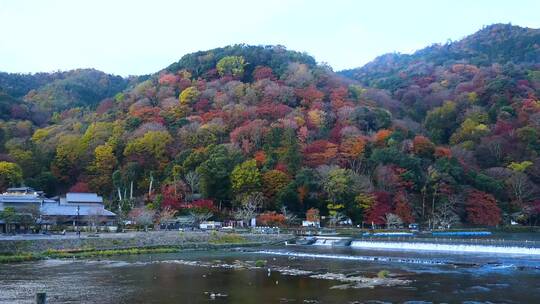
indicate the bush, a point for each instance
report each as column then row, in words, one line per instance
column 216, row 238
column 260, row 263
column 17, row 258
column 383, row 274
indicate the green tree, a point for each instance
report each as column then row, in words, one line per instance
column 68, row 159
column 335, row 212
column 102, row 169
column 10, row 175
column 9, row 216
column 486, row 183
column 151, row 149
column 291, row 151
column 27, row 160
column 520, row 167
column 231, row 66
column 246, row 177
column 337, row 183
column 364, row 201
column 215, row 173
column 529, row 136
column 441, row 122
column 469, row 130
column 97, row 133
column 274, row 181
column 194, row 159
column 188, row 96
column 45, row 181
column 28, row 216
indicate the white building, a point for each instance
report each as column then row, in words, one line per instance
column 83, row 208
column 74, row 208
column 316, row 224
column 210, row 225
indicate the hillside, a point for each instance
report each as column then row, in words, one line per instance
column 498, row 43
column 444, row 136
column 36, row 97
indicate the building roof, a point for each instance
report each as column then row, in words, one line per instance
column 21, row 195
column 181, row 220
column 55, row 209
column 21, row 189
column 76, row 197
column 20, row 198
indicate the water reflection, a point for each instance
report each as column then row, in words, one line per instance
column 172, row 278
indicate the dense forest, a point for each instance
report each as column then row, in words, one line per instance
column 448, row 135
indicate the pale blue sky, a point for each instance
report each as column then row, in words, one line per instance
column 130, row 37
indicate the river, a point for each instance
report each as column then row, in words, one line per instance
column 293, row 274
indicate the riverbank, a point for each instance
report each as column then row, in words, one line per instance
column 19, row 250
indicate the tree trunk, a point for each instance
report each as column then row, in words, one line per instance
column 433, row 207
column 150, row 186
column 423, row 203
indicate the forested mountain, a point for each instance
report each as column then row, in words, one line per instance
column 35, row 97
column 496, row 44
column 446, row 135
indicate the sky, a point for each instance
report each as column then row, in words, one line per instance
column 132, row 37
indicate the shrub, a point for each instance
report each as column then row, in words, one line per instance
column 260, row 263
column 383, row 274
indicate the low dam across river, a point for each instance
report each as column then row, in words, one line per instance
column 429, row 244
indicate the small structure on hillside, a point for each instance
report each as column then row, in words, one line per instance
column 210, row 225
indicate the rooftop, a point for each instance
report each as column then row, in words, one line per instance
column 20, row 198
column 77, row 197
column 21, row 189
column 55, row 209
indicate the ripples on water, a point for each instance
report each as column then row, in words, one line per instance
column 294, row 274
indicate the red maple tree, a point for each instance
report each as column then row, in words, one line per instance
column 482, row 209
column 377, row 212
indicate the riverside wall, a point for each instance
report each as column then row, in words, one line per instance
column 187, row 240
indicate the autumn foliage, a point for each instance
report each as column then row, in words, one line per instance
column 482, row 209
column 171, row 197
column 423, row 146
column 403, row 208
column 381, row 136
column 80, row 187
column 271, row 218
column 312, row 215
column 405, row 134
column 382, row 206
column 319, row 152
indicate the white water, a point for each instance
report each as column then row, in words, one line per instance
column 409, row 246
column 352, row 257
column 325, row 242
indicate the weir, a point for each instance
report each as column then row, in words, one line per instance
column 415, row 246
column 332, row 241
column 447, row 245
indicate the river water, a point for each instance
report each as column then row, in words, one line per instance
column 293, row 274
